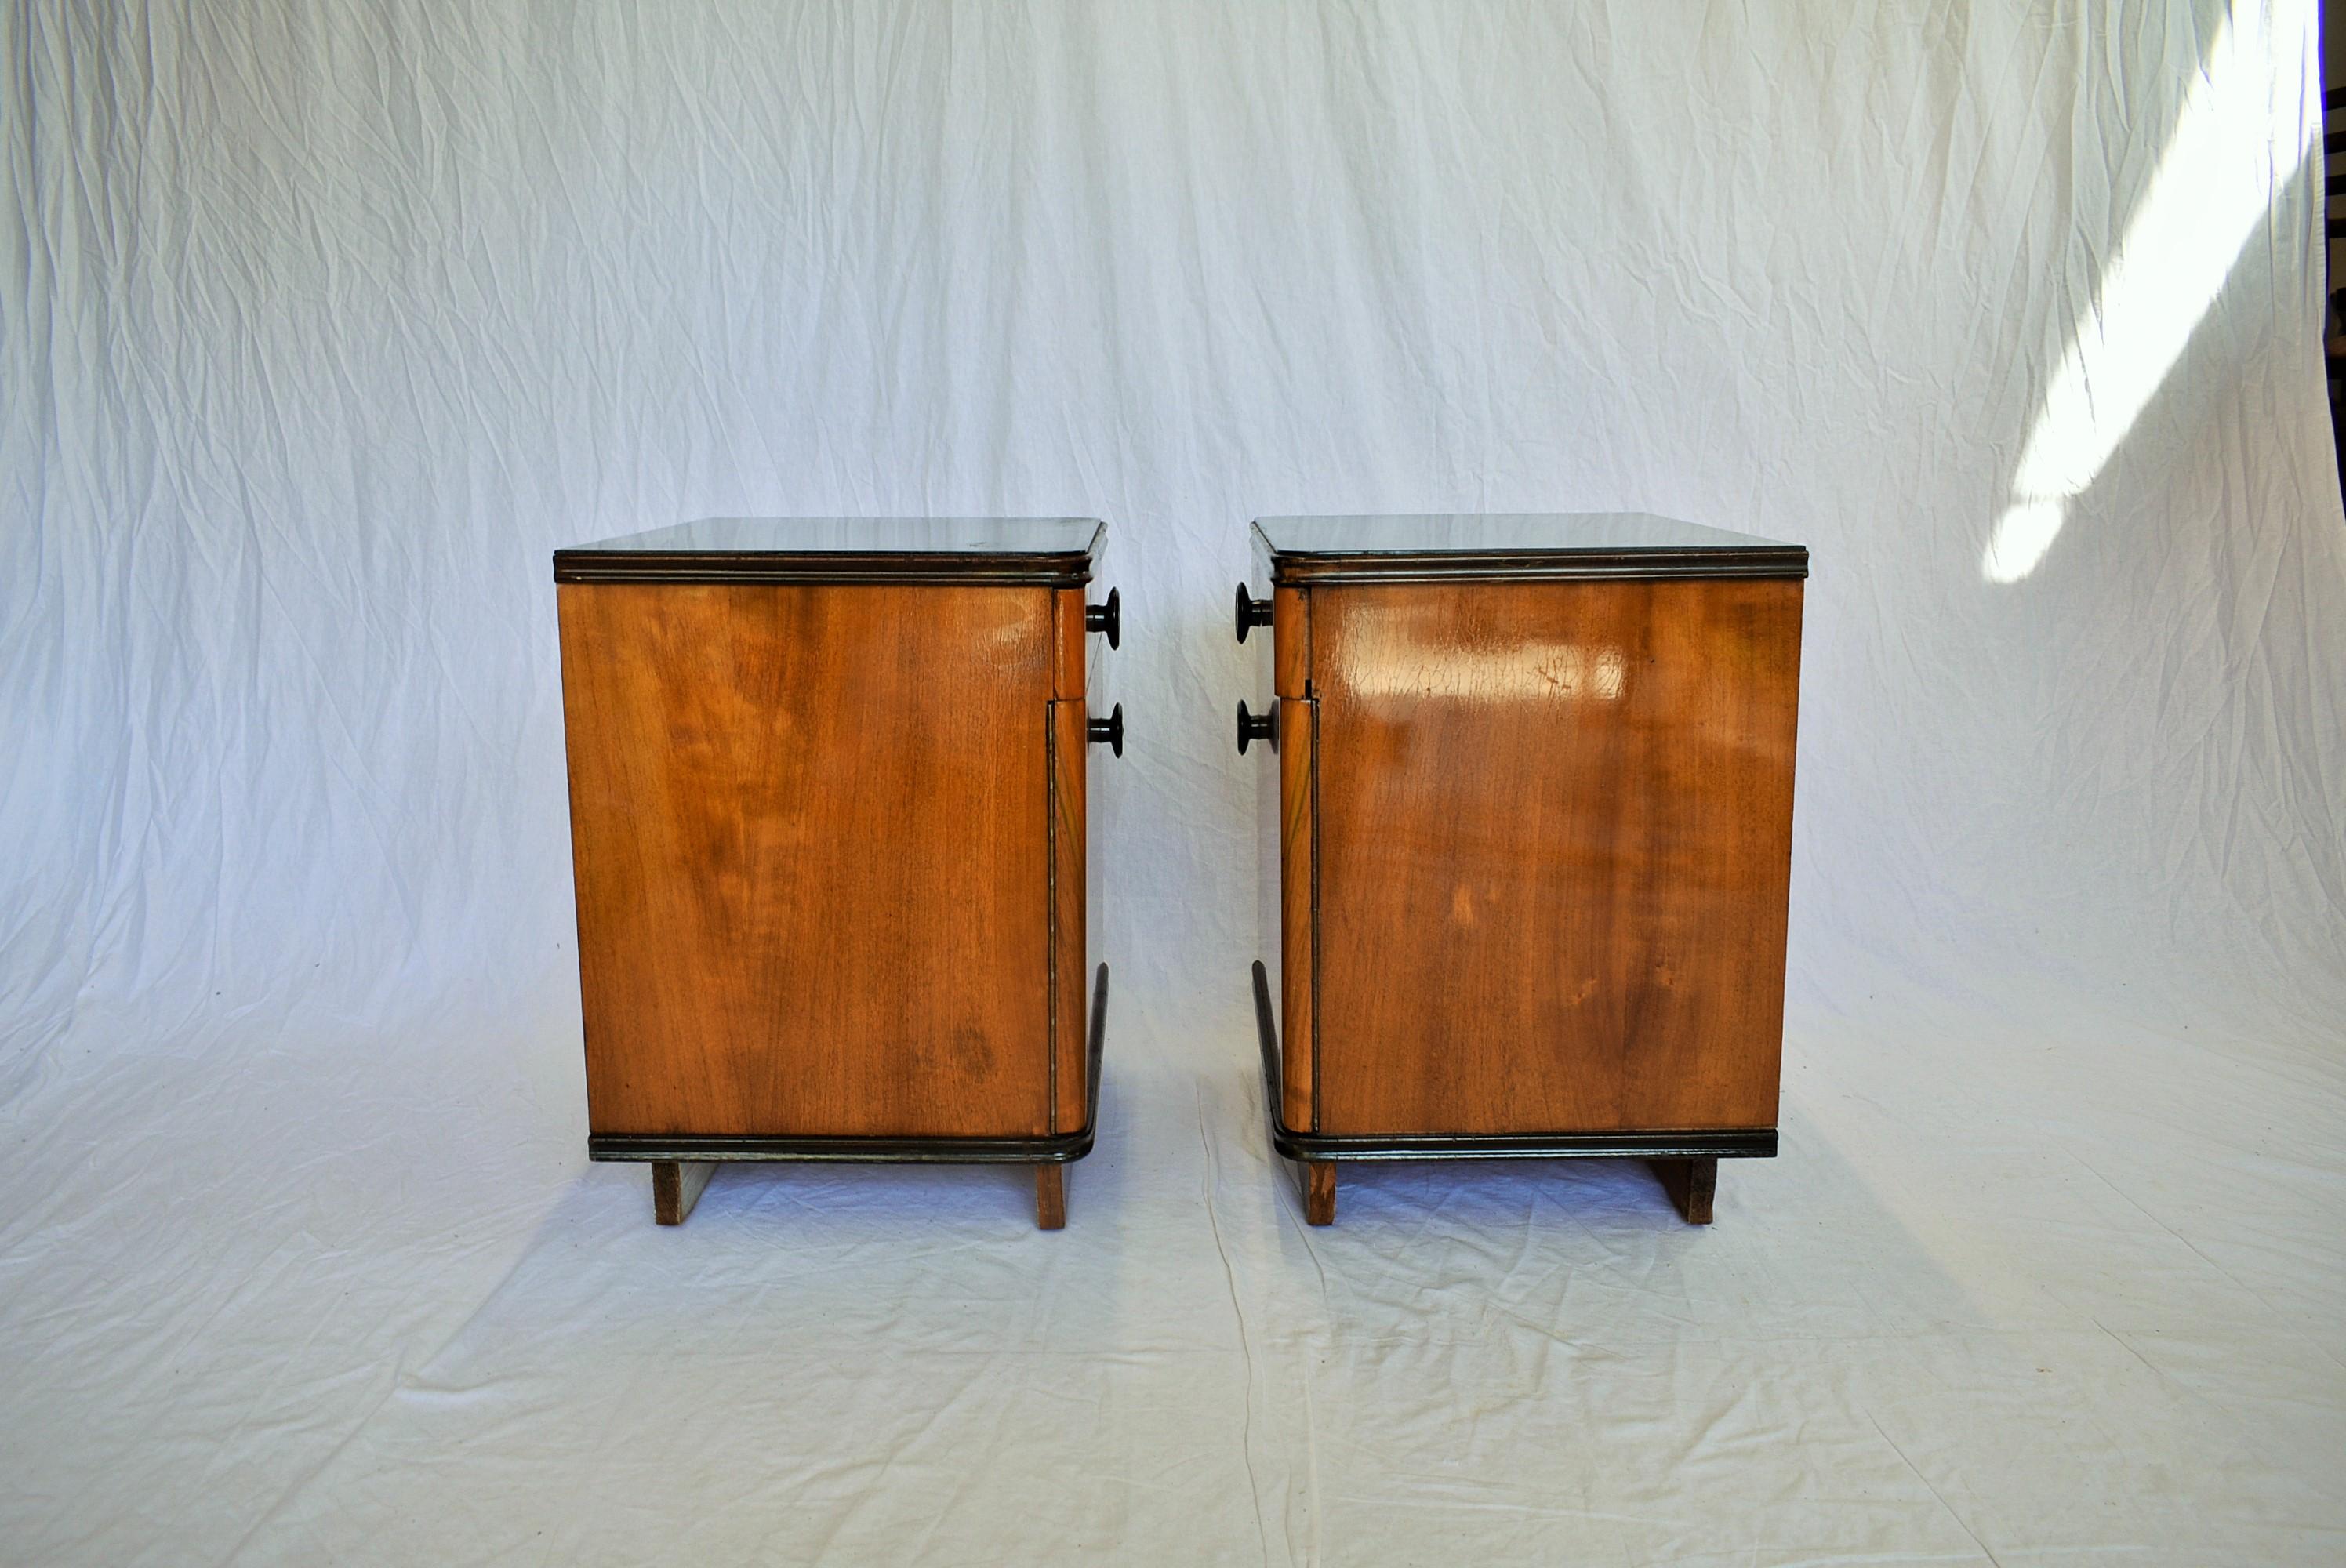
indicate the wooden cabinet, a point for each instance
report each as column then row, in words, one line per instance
column 827, row 805
column 1526, row 816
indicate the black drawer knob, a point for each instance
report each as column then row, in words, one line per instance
column 1107, row 617
column 1109, row 729
column 1257, row 726
column 1252, row 611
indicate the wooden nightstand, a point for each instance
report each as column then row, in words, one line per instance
column 828, row 826
column 1526, row 836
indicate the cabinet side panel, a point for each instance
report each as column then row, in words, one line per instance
column 808, row 829
column 1555, row 836
column 1070, row 991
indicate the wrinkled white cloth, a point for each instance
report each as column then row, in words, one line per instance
column 322, row 324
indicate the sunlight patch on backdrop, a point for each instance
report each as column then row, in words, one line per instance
column 2214, row 184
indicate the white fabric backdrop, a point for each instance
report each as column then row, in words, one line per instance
column 322, row 324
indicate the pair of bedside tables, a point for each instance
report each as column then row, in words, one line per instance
column 1526, row 828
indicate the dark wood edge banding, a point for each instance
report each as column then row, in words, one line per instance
column 1292, row 567
column 915, row 571
column 1057, row 1149
column 1643, row 565
column 1057, row 568
column 1721, row 1143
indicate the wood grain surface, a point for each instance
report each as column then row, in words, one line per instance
column 809, row 832
column 1298, row 1032
column 1070, row 655
column 677, row 1185
column 1291, row 630
column 1050, row 1197
column 1693, row 1186
column 1319, row 1192
column 1554, row 833
column 1070, row 993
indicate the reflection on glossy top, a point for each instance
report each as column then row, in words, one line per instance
column 1525, row 547
column 863, row 535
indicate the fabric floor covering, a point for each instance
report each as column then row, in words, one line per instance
column 2057, row 1291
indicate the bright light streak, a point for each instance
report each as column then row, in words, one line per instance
column 2213, row 187
column 1529, row 672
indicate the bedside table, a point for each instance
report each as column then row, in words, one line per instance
column 1526, row 827
column 827, row 807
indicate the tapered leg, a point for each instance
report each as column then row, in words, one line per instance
column 676, row 1187
column 1050, row 1197
column 1320, row 1192
column 1691, row 1184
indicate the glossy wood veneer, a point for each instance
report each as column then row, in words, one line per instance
column 814, row 857
column 1553, row 839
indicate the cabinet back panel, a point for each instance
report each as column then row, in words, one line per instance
column 809, row 828
column 1554, row 846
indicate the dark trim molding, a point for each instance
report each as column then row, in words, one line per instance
column 1290, row 569
column 1729, row 1143
column 1056, row 1149
column 1059, row 569
column 908, row 571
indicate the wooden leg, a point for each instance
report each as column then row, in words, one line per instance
column 1050, row 1197
column 1691, row 1184
column 1320, row 1192
column 676, row 1187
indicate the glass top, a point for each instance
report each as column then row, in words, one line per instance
column 1500, row 534
column 993, row 537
